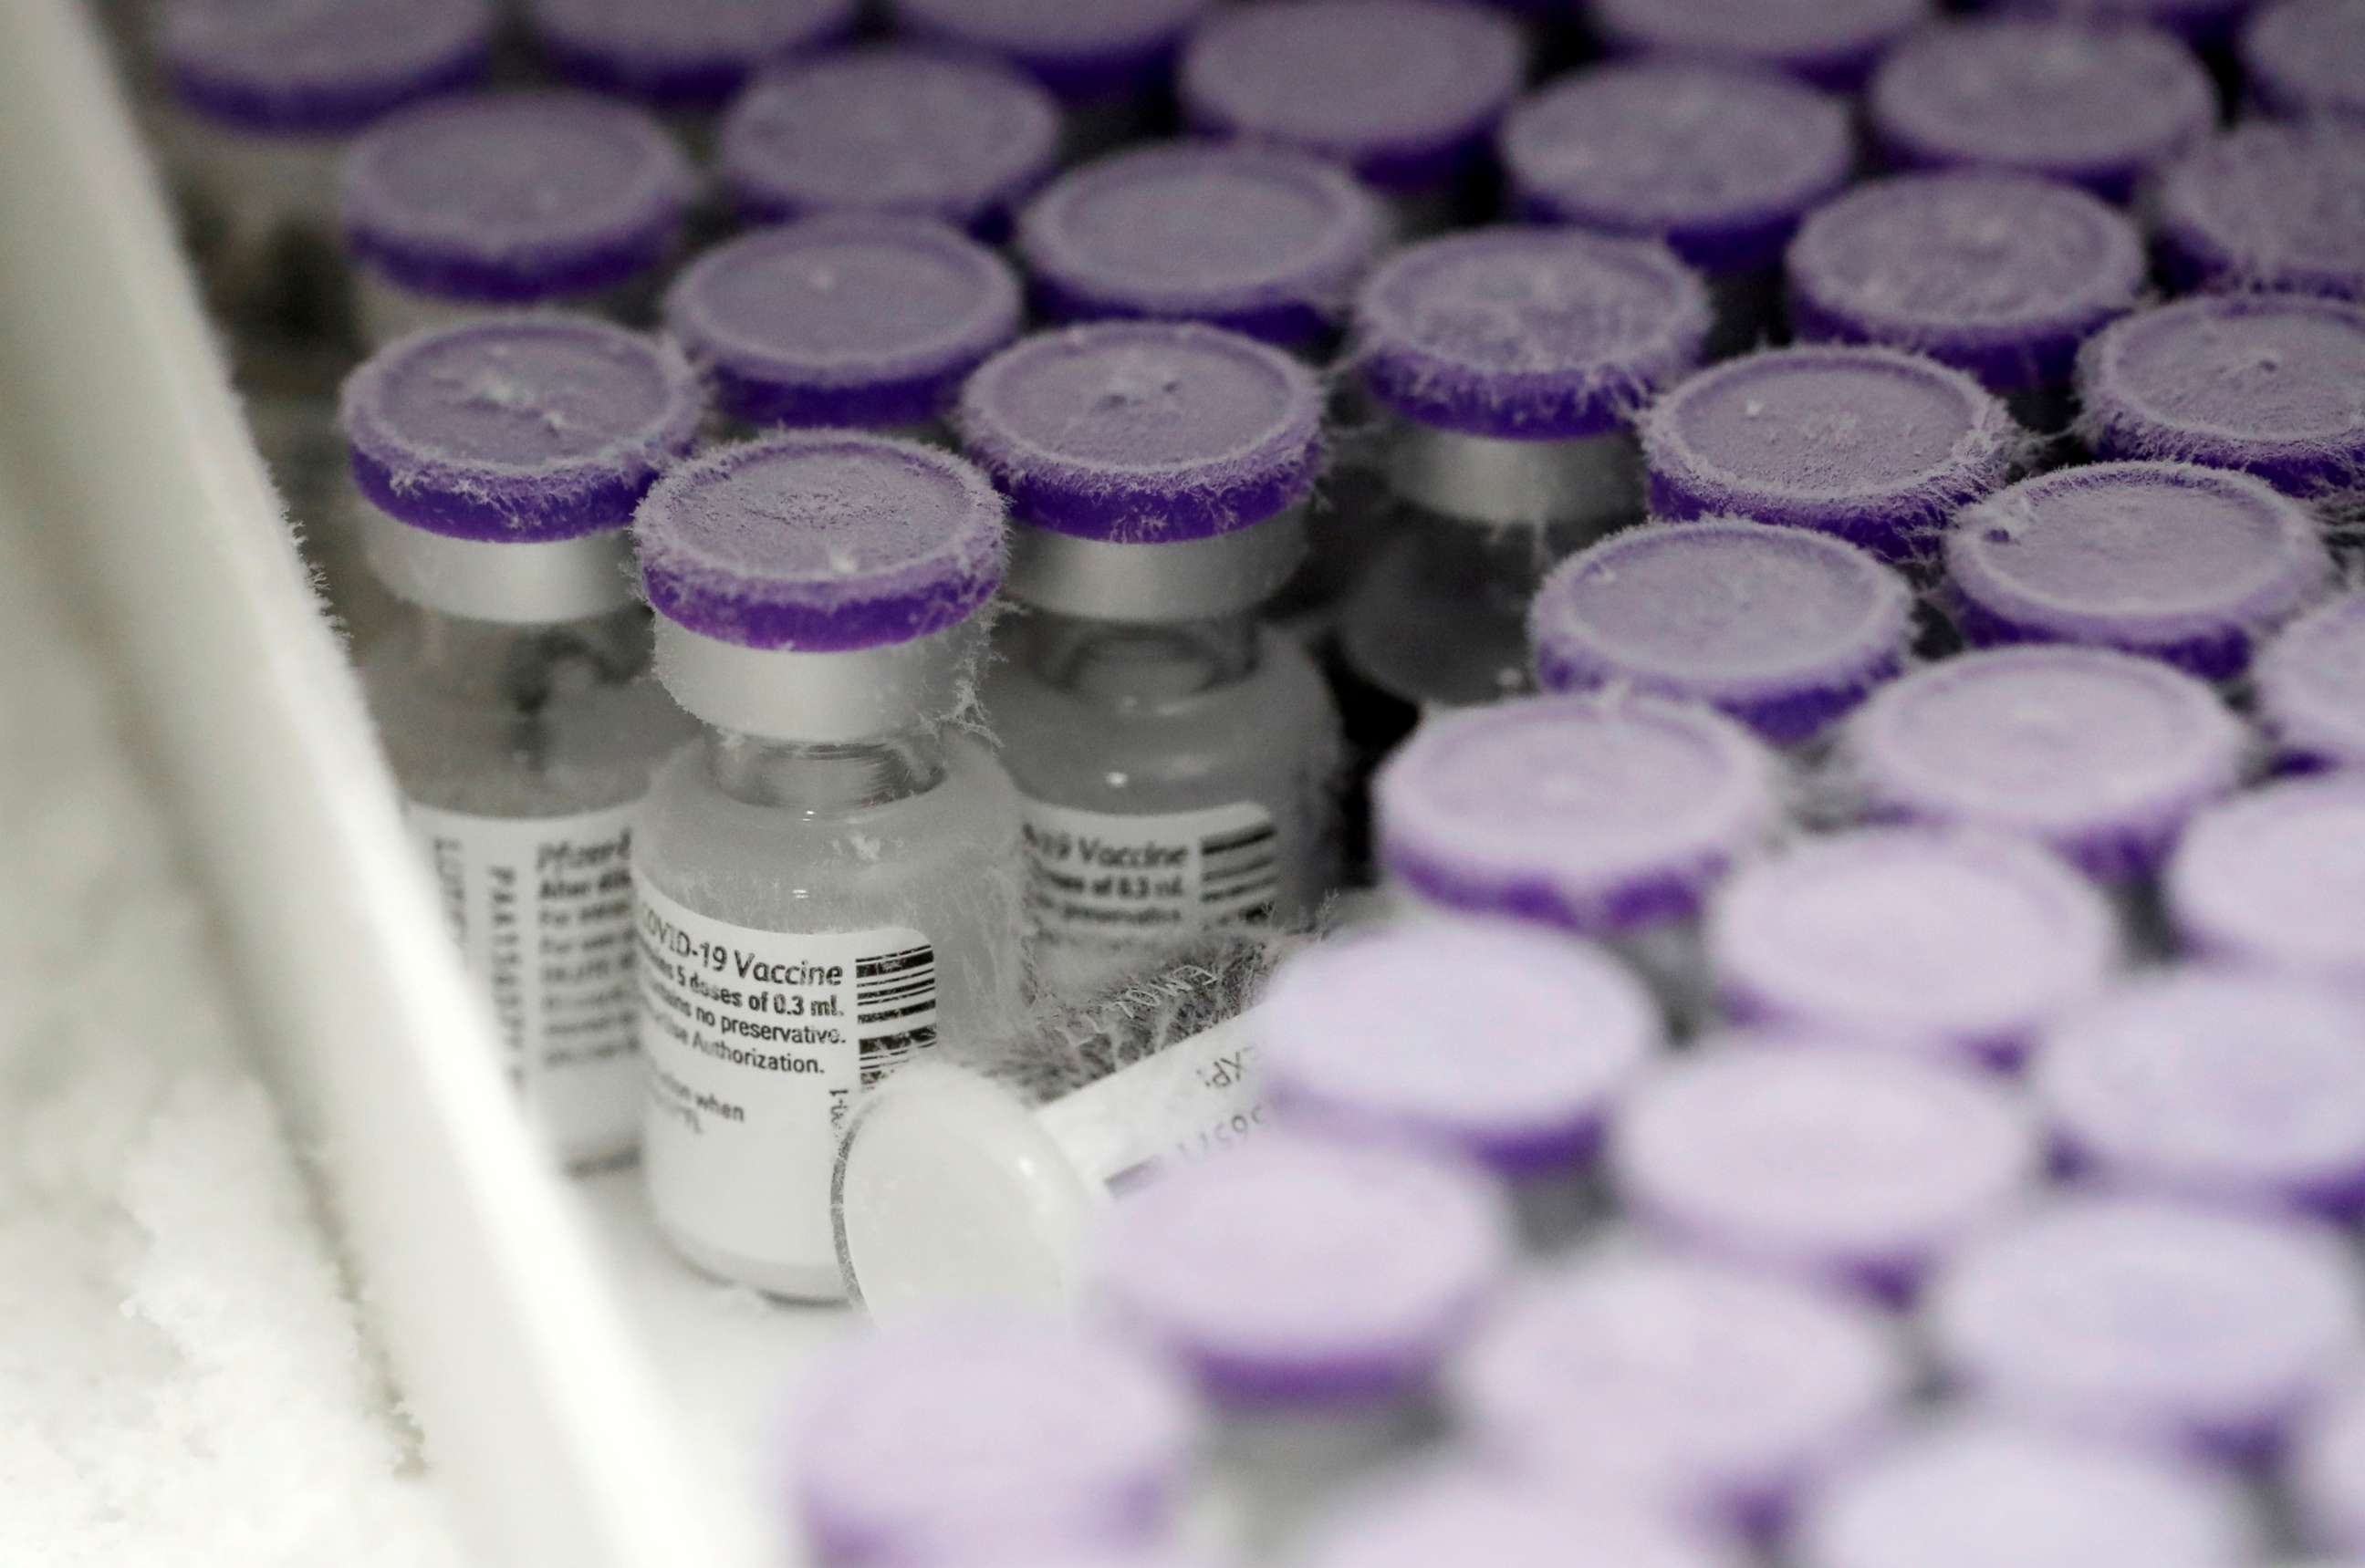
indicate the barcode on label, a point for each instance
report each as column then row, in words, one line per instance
column 894, row 1008
column 1239, row 872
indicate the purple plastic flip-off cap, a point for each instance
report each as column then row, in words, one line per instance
column 2152, row 1320
column 1462, row 1518
column 2269, row 207
column 889, row 129
column 869, row 320
column 2101, row 755
column 1680, row 1383
column 1832, row 43
column 683, row 55
column 2305, row 58
column 2206, row 24
column 2190, row 565
column 1261, row 240
column 1301, row 1271
column 320, row 67
column 1404, row 92
column 1876, row 447
column 1783, row 629
column 2311, row 687
column 2327, row 1474
column 515, row 197
column 1598, row 814
column 1100, row 50
column 1953, row 943
column 2275, row 880
column 984, row 1434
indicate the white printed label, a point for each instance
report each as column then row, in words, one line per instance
column 758, row 1043
column 542, row 907
column 1102, row 886
column 1195, row 1098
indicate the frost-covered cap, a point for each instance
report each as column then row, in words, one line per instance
column 1528, row 334
column 2272, row 207
column 1462, row 1518
column 514, row 197
column 1720, row 162
column 1492, row 1041
column 2275, row 880
column 1261, row 240
column 1783, row 629
column 1832, row 43
column 2002, row 275
column 858, row 319
column 2204, row 23
column 2265, row 383
column 1405, row 92
column 1957, row 942
column 1875, row 446
column 2101, row 755
column 2310, row 686
column 2305, row 58
column 889, row 129
column 1680, row 1383
column 320, row 67
column 987, row 1432
column 1297, row 1270
column 2189, row 564
column 1596, row 813
column 681, row 54
column 1076, row 51
column 2327, row 1474
column 519, row 428
column 821, row 543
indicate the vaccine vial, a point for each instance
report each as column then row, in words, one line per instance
column 2001, row 275
column 685, row 59
column 1461, row 1516
column 889, row 127
column 988, row 1435
column 2193, row 565
column 1111, row 64
column 2326, row 1474
column 1955, row 944
column 2141, row 1319
column 1178, row 761
column 1784, row 629
column 1264, row 240
column 1504, row 1045
column 2305, row 60
column 499, row 465
column 1832, row 44
column 510, row 200
column 1405, row 93
column 2101, row 755
column 2274, row 880
column 2278, row 207
column 859, row 321
column 2309, row 688
column 828, row 880
column 1703, row 1392
column 1852, row 1169
column 1720, row 162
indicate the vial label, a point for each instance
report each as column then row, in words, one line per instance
column 1193, row 1099
column 1102, row 887
column 542, row 907
column 758, row 1043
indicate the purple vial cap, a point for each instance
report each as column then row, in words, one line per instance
column 2101, row 755
column 2202, row 23
column 2004, row 275
column 2265, row 383
column 2310, row 686
column 320, row 67
column 519, row 428
column 1783, row 629
column 2148, row 1319
column 1959, row 943
column 1260, row 239
column 2189, row 564
column 683, row 54
column 2269, row 207
column 1831, row 43
column 1856, row 1168
column 515, row 197
column 2327, row 1474
column 1405, row 92
column 821, row 543
column 983, row 1433
column 1144, row 432
column 1720, row 162
column 858, row 319
column 1596, row 814
column 2214, row 1086
column 1502, row 1044
column 1077, row 50
column 1528, row 334
column 889, row 129
column 1876, row 446
column 2275, row 880
column 2301, row 58
column 1298, row 1270
column 1681, row 1382
column 1971, row 1490
column 1454, row 1518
